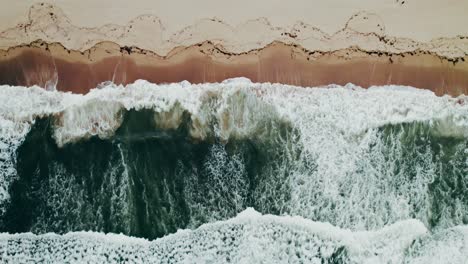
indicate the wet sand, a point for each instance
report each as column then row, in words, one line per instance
column 78, row 72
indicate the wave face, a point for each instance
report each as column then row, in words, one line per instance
column 387, row 167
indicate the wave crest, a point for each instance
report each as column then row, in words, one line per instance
column 147, row 159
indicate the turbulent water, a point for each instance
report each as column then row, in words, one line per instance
column 233, row 172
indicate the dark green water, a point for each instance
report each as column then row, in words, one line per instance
column 331, row 175
column 143, row 181
column 148, row 182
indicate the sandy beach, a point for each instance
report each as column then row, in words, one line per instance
column 277, row 62
column 366, row 43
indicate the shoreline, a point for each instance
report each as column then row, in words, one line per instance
column 78, row 72
column 49, row 49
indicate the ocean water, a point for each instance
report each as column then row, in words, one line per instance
column 236, row 172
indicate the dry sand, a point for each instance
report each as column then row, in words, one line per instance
column 421, row 20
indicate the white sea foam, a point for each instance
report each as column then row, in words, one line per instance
column 11, row 136
column 446, row 246
column 349, row 110
column 337, row 125
column 249, row 237
column 353, row 184
column 92, row 118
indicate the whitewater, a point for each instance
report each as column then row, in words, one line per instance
column 236, row 172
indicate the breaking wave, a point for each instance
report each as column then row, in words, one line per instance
column 333, row 174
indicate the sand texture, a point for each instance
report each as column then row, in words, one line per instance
column 47, row 48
